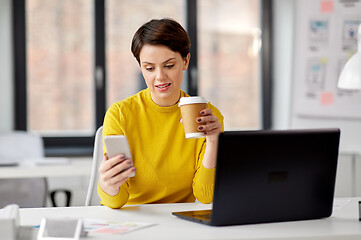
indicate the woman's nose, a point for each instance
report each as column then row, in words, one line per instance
column 160, row 74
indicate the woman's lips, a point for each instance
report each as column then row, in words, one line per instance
column 163, row 87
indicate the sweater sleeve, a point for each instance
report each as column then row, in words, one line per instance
column 203, row 182
column 116, row 201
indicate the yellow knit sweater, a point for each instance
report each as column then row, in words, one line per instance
column 169, row 166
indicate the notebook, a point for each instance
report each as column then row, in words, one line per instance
column 272, row 176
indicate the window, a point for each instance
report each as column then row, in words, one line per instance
column 229, row 60
column 73, row 60
column 60, row 89
column 123, row 18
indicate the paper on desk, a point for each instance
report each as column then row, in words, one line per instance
column 112, row 227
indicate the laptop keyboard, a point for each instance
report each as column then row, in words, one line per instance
column 206, row 214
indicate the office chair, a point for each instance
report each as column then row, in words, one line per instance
column 92, row 198
column 25, row 192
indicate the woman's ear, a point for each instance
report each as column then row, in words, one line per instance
column 186, row 61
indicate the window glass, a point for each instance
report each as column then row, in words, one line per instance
column 60, row 61
column 229, row 59
column 123, row 18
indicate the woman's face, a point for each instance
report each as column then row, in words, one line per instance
column 163, row 73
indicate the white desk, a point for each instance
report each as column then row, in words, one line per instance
column 76, row 167
column 343, row 224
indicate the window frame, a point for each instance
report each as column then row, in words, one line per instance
column 266, row 64
column 83, row 146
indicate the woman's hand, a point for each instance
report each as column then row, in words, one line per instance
column 113, row 172
column 212, row 127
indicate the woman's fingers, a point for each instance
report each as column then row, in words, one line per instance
column 113, row 167
column 122, row 177
column 208, row 118
column 111, row 162
column 210, row 123
column 206, row 112
column 113, row 172
column 209, row 127
column 119, row 168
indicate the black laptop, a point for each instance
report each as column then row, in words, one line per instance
column 272, row 176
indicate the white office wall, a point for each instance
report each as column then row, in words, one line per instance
column 6, row 67
column 349, row 170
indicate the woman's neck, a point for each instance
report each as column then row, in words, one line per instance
column 166, row 102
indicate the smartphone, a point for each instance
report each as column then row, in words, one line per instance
column 118, row 144
column 61, row 229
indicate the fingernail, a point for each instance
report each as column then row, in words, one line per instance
column 202, row 112
column 199, row 120
column 200, row 128
column 129, row 162
column 132, row 174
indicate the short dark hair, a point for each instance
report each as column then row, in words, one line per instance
column 166, row 32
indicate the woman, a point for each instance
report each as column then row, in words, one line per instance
column 169, row 168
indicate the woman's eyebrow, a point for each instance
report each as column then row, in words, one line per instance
column 147, row 63
column 169, row 59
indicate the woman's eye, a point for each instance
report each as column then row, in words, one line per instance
column 169, row 66
column 149, row 68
